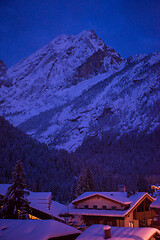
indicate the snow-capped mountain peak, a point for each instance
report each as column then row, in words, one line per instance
column 76, row 86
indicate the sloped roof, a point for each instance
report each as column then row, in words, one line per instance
column 39, row 195
column 55, row 208
column 33, row 229
column 39, row 201
column 4, row 189
column 32, row 195
column 96, row 232
column 120, row 197
column 133, row 199
column 156, row 203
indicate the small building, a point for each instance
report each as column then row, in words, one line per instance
column 34, row 229
column 101, row 232
column 155, row 206
column 111, row 208
column 41, row 211
column 41, row 204
column 155, row 188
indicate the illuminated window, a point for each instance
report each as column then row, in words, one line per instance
column 131, row 224
column 33, row 217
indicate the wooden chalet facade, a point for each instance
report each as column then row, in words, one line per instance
column 112, row 208
column 155, row 206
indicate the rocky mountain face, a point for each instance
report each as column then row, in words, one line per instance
column 3, row 70
column 76, row 87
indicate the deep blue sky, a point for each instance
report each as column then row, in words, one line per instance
column 129, row 26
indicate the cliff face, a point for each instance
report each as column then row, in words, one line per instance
column 76, row 87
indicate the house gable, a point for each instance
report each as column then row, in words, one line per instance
column 138, row 205
column 97, row 201
column 138, row 209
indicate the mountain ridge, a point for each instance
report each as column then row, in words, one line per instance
column 76, row 87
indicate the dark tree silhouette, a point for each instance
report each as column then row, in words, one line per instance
column 15, row 205
column 85, row 182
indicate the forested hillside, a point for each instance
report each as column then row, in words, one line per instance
column 133, row 159
column 45, row 170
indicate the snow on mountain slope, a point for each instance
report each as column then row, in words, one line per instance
column 64, row 62
column 76, row 86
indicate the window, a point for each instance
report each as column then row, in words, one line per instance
column 86, row 206
column 104, row 207
column 95, row 206
column 131, row 224
column 127, row 207
column 113, row 207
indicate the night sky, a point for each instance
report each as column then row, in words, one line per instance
column 129, row 26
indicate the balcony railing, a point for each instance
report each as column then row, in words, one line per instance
column 142, row 215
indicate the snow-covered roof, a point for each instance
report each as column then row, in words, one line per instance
column 4, row 188
column 156, row 203
column 33, row 229
column 133, row 199
column 39, row 201
column 96, row 232
column 120, row 197
column 54, row 210
column 39, row 195
column 32, row 195
column 93, row 212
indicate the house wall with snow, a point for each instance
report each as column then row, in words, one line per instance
column 155, row 206
column 122, row 211
column 129, row 221
column 100, row 203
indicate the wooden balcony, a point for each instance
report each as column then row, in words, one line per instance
column 142, row 215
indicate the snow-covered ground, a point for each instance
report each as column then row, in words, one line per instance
column 96, row 232
column 34, row 229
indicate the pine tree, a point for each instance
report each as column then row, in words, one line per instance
column 85, row 182
column 15, row 205
column 142, row 183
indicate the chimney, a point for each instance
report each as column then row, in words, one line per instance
column 107, row 232
column 121, row 188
